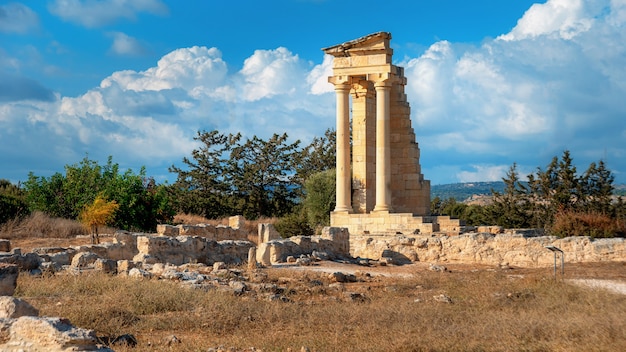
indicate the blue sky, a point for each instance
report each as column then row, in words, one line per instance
column 490, row 83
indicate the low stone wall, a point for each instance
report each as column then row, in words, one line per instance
column 190, row 249
column 333, row 241
column 486, row 248
column 216, row 233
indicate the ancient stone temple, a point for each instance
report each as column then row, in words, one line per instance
column 382, row 189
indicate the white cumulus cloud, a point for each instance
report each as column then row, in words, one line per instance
column 555, row 82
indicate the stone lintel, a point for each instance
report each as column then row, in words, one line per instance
column 372, row 43
column 362, row 71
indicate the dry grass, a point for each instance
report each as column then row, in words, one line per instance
column 40, row 225
column 520, row 310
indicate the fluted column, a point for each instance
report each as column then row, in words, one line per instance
column 383, row 151
column 343, row 201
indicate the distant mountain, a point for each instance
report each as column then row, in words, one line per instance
column 463, row 191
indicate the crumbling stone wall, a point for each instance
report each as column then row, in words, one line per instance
column 216, row 233
column 334, row 242
column 516, row 249
column 190, row 249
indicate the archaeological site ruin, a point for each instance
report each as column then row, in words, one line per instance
column 382, row 189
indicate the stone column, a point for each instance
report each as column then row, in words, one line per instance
column 343, row 202
column 383, row 151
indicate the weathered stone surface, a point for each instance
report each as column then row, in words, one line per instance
column 490, row 229
column 252, row 258
column 124, row 266
column 335, row 243
column 186, row 249
column 217, row 233
column 139, row 273
column 11, row 307
column 267, row 232
column 108, row 266
column 50, row 335
column 28, row 261
column 84, row 259
column 8, row 279
column 236, row 222
column 168, row 230
column 485, row 248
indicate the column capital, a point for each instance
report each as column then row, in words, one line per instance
column 340, row 80
column 383, row 79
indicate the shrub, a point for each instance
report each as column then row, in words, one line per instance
column 320, row 198
column 596, row 225
column 294, row 224
column 12, row 203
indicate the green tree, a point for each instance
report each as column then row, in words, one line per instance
column 319, row 199
column 435, row 206
column 142, row 203
column 316, row 157
column 202, row 186
column 597, row 186
column 12, row 202
column 510, row 209
column 260, row 173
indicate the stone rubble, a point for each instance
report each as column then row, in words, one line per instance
column 21, row 328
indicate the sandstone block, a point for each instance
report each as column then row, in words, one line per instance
column 236, row 222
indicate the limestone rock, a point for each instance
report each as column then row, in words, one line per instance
column 267, row 232
column 304, row 261
column 108, row 266
column 437, row 268
column 50, row 335
column 11, row 307
column 139, row 273
column 83, row 259
column 443, row 298
column 124, row 266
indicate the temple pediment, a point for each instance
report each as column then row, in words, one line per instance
column 376, row 43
